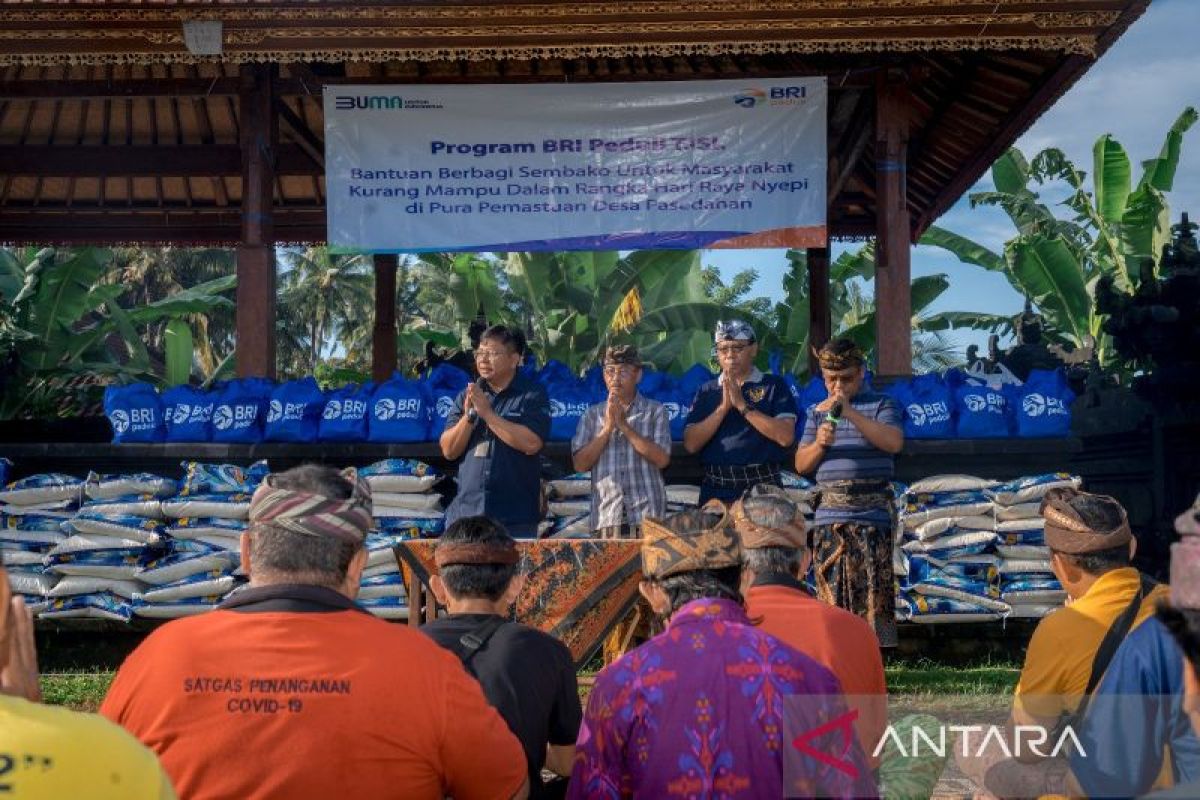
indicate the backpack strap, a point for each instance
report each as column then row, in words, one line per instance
column 471, row 642
column 1113, row 638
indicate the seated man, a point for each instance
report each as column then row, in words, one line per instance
column 1137, row 734
column 527, row 675
column 291, row 690
column 1182, row 620
column 776, row 553
column 52, row 752
column 703, row 709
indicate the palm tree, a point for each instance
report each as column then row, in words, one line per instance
column 324, row 300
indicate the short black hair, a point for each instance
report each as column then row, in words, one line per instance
column 1184, row 626
column 1101, row 561
column 683, row 588
column 512, row 338
column 318, row 560
column 773, row 560
column 486, row 581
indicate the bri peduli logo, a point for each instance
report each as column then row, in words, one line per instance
column 119, row 420
column 444, row 406
column 560, row 409
column 1035, row 404
column 749, row 98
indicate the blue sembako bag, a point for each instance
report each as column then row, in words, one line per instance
column 294, row 412
column 240, row 410
column 135, row 413
column 401, row 410
column 569, row 401
column 345, row 417
column 927, row 403
column 445, row 382
column 982, row 411
column 188, row 412
column 1042, row 406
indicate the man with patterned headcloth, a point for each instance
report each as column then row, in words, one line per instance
column 849, row 441
column 328, row 700
column 742, row 423
column 712, row 707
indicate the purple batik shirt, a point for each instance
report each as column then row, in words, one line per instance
column 699, row 712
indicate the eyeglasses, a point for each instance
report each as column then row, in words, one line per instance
column 490, row 355
column 731, row 349
column 625, row 370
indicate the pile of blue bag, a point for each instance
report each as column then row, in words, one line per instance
column 970, row 549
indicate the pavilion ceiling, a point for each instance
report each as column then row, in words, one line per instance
column 111, row 130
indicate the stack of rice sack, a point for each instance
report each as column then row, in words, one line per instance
column 205, row 521
column 116, row 530
column 801, row 491
column 32, row 511
column 405, row 507
column 948, row 559
column 682, row 497
column 1027, row 583
column 569, row 508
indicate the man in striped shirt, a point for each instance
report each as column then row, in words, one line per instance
column 849, row 441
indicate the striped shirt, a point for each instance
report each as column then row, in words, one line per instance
column 626, row 488
column 852, row 457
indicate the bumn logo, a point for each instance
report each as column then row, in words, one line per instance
column 375, row 101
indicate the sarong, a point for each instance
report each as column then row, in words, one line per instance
column 576, row 590
column 852, row 564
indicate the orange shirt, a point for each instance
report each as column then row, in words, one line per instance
column 841, row 641
column 324, row 703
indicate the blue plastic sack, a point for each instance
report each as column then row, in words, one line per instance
column 294, row 412
column 812, row 393
column 982, row 412
column 135, row 413
column 676, row 402
column 445, row 382
column 653, row 381
column 401, row 410
column 1042, row 406
column 927, row 404
column 240, row 410
column 568, row 403
column 188, row 412
column 5, row 471
column 556, row 372
column 691, row 381
column 344, row 418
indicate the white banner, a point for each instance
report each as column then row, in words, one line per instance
column 602, row 166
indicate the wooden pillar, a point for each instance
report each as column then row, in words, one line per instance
column 893, row 296
column 383, row 335
column 256, row 252
column 820, row 324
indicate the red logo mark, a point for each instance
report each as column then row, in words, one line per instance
column 845, row 724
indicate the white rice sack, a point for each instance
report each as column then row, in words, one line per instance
column 401, row 502
column 956, row 618
column 97, row 557
column 87, row 543
column 30, row 540
column 1035, row 597
column 126, row 526
column 109, row 487
column 175, row 609
column 198, row 527
column 140, row 505
column 570, row 508
column 1032, row 488
column 1023, row 552
column 233, row 544
column 933, row 610
column 951, row 483
column 101, row 605
column 579, row 527
column 57, row 508
column 46, row 488
column 207, row 584
column 21, row 558
column 921, row 508
column 391, row 568
column 1012, row 525
column 381, row 586
column 1021, row 511
column 1032, row 610
column 576, row 485
column 545, row 527
column 187, row 558
column 31, row 582
column 223, row 506
column 202, row 479
column 386, row 607
column 86, row 584
column 683, row 494
column 1015, row 566
column 380, row 549
column 959, row 544
column 950, row 525
column 400, row 475
column 935, row 590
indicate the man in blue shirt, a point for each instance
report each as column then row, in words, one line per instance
column 849, row 441
column 497, row 427
column 742, row 423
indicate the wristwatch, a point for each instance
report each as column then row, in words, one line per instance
column 472, row 416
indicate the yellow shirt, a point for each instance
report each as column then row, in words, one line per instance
column 1059, row 660
column 52, row 753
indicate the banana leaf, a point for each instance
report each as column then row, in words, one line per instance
column 1048, row 272
column 200, row 299
column 1112, row 178
column 967, row 251
column 1160, row 172
column 178, row 349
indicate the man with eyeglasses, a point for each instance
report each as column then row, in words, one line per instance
column 626, row 443
column 497, row 427
column 742, row 423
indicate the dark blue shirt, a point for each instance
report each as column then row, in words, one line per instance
column 493, row 478
column 852, row 457
column 737, row 442
column 1135, row 716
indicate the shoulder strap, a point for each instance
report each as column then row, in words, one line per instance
column 473, row 640
column 1117, row 633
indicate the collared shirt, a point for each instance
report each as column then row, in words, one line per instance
column 852, row 457
column 699, row 711
column 1136, row 719
column 292, row 691
column 626, row 488
column 1059, row 659
column 496, row 479
column 842, row 642
column 737, row 442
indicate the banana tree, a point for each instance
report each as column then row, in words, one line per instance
column 1114, row 232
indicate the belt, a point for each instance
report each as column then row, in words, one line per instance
column 855, row 494
column 735, row 475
